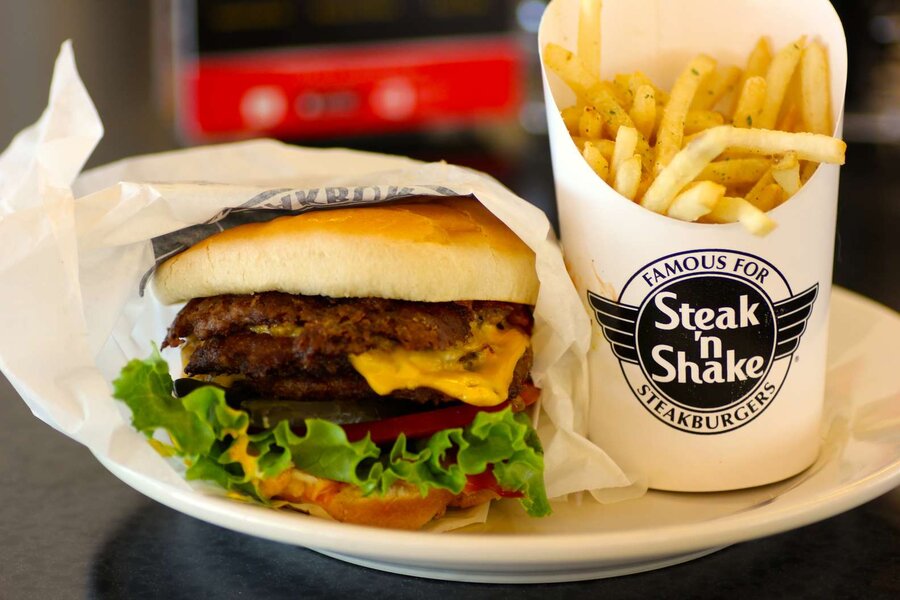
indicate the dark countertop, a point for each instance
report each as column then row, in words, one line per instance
column 72, row 530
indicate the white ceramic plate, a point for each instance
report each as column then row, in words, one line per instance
column 860, row 460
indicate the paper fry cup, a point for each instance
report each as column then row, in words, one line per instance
column 707, row 363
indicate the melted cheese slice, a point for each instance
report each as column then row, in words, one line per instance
column 478, row 372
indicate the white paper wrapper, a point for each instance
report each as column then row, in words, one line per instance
column 72, row 314
column 706, row 435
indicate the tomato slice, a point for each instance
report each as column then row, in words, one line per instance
column 487, row 481
column 417, row 425
column 424, row 424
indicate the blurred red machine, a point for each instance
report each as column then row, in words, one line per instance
column 305, row 69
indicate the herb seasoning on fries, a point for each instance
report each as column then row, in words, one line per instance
column 723, row 145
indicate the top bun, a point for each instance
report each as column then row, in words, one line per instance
column 442, row 250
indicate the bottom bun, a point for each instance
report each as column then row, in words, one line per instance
column 402, row 507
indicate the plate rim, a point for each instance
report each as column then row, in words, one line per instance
column 419, row 548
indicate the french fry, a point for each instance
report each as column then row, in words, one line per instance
column 790, row 120
column 788, row 160
column 623, row 80
column 606, row 147
column 755, row 193
column 671, row 128
column 807, row 146
column 589, row 35
column 618, row 93
column 807, row 170
column 570, row 69
column 690, row 138
column 647, row 155
column 759, row 58
column 614, row 114
column 646, row 182
column 630, row 82
column 778, row 77
column 596, row 160
column 643, row 110
column 816, row 93
column 626, row 143
column 731, row 210
column 771, row 196
column 734, row 153
column 699, row 120
column 571, row 117
column 622, row 94
column 628, row 176
column 786, row 172
column 736, row 172
column 757, row 65
column 689, row 162
column 719, row 84
column 590, row 124
column 638, row 79
column 696, row 201
column 750, row 103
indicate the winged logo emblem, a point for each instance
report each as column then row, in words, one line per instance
column 619, row 323
column 705, row 339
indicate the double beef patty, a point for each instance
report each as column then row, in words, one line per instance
column 296, row 347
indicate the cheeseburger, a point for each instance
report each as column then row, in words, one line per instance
column 372, row 363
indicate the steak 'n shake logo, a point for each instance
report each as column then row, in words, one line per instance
column 705, row 337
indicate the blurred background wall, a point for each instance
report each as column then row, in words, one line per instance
column 139, row 59
column 123, row 50
column 113, row 49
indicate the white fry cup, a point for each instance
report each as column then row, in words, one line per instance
column 707, row 362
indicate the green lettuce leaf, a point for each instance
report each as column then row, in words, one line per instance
column 213, row 440
column 146, row 387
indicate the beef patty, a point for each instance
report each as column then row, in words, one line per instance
column 296, row 347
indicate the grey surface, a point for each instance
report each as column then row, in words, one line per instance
column 59, row 506
column 113, row 47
